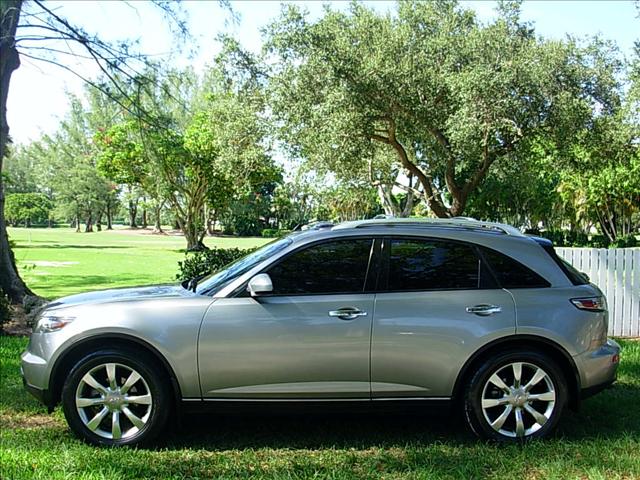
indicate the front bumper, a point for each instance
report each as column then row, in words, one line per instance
column 33, row 370
column 598, row 368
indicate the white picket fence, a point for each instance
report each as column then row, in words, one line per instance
column 617, row 272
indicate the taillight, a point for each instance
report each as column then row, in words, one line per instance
column 592, row 304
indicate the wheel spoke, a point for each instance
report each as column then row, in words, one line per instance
column 539, row 375
column 133, row 378
column 94, row 423
column 543, row 397
column 111, row 375
column 493, row 402
column 519, row 423
column 517, row 374
column 540, row 418
column 137, row 421
column 89, row 402
column 498, row 422
column 92, row 382
column 497, row 381
column 139, row 399
column 116, row 433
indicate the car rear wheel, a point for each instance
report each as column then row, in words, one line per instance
column 515, row 396
column 115, row 397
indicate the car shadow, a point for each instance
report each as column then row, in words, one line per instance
column 313, row 431
column 597, row 419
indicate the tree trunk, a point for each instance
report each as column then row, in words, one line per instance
column 109, row 219
column 144, row 218
column 10, row 282
column 77, row 222
column 99, row 222
column 133, row 212
column 88, row 226
column 157, row 228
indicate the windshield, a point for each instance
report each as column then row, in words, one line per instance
column 214, row 282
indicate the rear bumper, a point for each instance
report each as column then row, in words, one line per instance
column 598, row 368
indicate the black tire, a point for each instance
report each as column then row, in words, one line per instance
column 479, row 419
column 152, row 383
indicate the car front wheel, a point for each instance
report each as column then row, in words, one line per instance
column 115, row 397
column 515, row 396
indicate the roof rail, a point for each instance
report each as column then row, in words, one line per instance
column 317, row 225
column 455, row 222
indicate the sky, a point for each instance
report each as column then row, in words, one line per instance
column 37, row 94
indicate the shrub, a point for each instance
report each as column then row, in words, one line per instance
column 196, row 264
column 274, row 233
column 627, row 241
column 569, row 238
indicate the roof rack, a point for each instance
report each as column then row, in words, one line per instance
column 455, row 222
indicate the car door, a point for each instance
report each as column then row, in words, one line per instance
column 436, row 305
column 309, row 338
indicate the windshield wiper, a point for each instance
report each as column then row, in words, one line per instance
column 192, row 283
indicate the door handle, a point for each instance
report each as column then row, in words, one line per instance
column 347, row 313
column 484, row 310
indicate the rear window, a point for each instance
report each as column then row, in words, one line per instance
column 510, row 273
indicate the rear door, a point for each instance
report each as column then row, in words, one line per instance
column 309, row 339
column 437, row 303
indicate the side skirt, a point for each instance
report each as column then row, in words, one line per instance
column 243, row 406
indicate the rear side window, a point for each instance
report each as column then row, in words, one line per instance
column 432, row 265
column 332, row 267
column 510, row 273
column 574, row 276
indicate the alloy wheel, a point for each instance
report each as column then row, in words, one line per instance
column 113, row 401
column 518, row 399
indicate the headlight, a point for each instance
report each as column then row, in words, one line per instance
column 52, row 323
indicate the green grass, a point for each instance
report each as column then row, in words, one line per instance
column 58, row 262
column 600, row 442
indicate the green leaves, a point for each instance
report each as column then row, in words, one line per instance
column 446, row 95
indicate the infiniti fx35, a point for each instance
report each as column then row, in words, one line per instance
column 460, row 312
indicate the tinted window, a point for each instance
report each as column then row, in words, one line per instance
column 511, row 273
column 576, row 277
column 333, row 267
column 432, row 265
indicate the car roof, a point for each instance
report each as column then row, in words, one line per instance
column 415, row 225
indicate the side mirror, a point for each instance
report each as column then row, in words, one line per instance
column 260, row 284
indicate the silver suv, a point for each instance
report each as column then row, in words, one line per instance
column 424, row 312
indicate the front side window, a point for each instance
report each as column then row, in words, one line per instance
column 334, row 267
column 432, row 265
column 217, row 280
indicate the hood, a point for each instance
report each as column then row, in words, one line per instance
column 121, row 295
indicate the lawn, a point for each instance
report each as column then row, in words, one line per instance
column 600, row 442
column 57, row 262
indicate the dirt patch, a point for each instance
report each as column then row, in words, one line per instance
column 28, row 421
column 143, row 231
column 44, row 263
column 18, row 325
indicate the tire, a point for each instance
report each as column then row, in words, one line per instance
column 499, row 407
column 116, row 397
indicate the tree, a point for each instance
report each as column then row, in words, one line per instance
column 447, row 96
column 27, row 208
column 20, row 34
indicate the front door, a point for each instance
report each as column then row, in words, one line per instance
column 309, row 339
